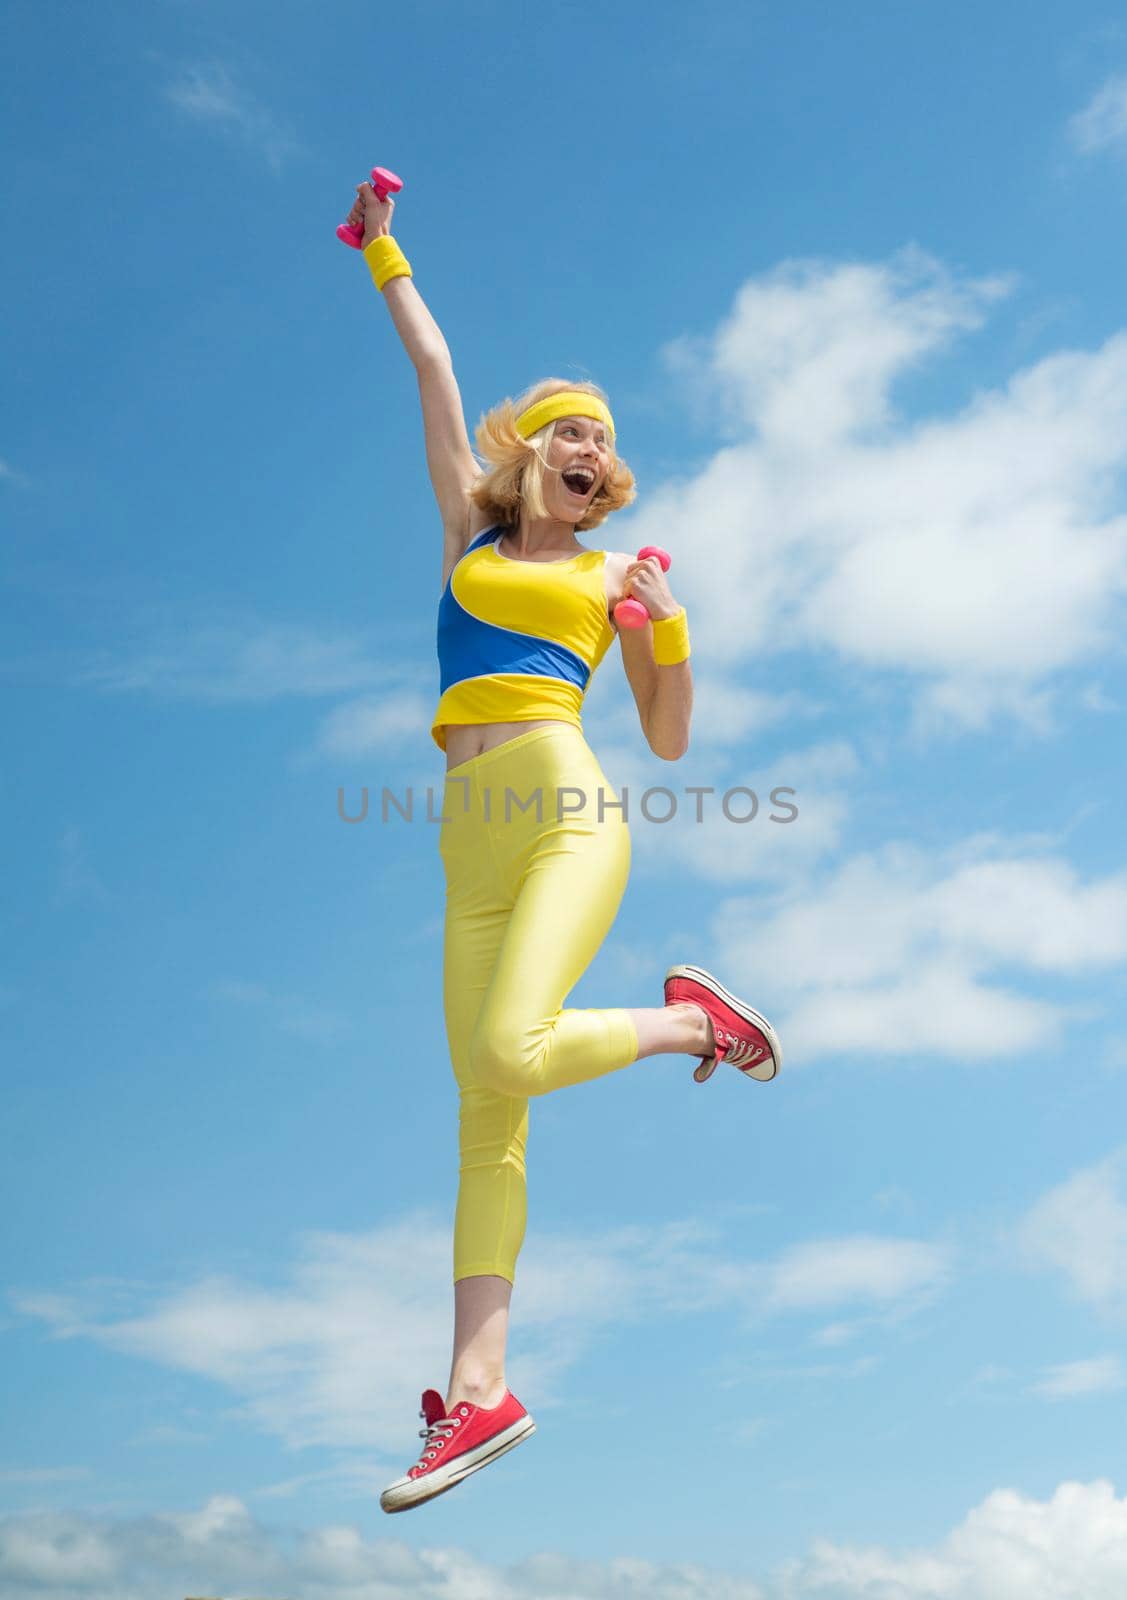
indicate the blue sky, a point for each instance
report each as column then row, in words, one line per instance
column 853, row 282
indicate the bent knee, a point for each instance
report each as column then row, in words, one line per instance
column 506, row 1061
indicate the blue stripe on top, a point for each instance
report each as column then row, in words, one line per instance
column 471, row 648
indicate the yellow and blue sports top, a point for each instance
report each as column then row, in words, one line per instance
column 519, row 640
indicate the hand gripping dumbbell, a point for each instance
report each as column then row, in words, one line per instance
column 384, row 182
column 632, row 613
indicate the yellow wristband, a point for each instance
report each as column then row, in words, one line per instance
column 386, row 260
column 671, row 639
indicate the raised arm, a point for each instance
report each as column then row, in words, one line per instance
column 450, row 461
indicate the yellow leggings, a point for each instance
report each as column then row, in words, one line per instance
column 533, row 885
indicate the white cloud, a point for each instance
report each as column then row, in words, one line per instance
column 1072, row 1546
column 1093, row 697
column 980, row 552
column 811, row 348
column 287, row 1011
column 210, row 96
column 1011, row 1547
column 362, row 727
column 742, row 827
column 1079, row 1228
column 298, row 1357
column 901, row 951
column 834, row 1272
column 237, row 660
column 835, row 1333
column 1097, row 1375
column 224, row 1545
column 729, row 713
column 1102, row 124
column 60, row 1555
column 1034, row 912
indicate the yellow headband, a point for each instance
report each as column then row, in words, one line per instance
column 569, row 403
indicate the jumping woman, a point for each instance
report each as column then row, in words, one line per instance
column 533, row 881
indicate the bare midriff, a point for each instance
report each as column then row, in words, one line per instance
column 465, row 740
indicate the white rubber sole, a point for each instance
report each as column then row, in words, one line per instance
column 765, row 1070
column 407, row 1492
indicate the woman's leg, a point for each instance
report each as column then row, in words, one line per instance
column 567, row 863
column 525, row 1043
column 673, row 1030
column 481, row 1331
column 522, row 938
column 489, row 1219
column 481, row 1301
column 567, row 867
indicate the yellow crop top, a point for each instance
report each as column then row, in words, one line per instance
column 519, row 640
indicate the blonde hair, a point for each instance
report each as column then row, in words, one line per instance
column 514, row 475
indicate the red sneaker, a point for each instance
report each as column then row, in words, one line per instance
column 743, row 1037
column 456, row 1445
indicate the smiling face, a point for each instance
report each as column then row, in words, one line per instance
column 578, row 461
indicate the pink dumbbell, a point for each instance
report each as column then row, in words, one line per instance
column 384, row 182
column 632, row 613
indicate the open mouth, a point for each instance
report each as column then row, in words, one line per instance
column 579, row 480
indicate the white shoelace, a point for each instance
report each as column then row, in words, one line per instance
column 740, row 1054
column 437, row 1434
